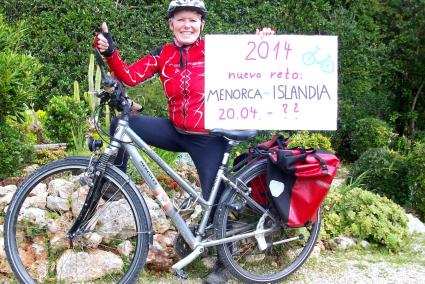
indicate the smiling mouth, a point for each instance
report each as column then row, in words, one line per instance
column 186, row 34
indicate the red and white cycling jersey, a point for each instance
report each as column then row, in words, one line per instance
column 182, row 71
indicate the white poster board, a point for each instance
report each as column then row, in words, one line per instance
column 282, row 82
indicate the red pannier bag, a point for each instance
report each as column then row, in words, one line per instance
column 298, row 181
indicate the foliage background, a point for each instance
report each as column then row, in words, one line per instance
column 381, row 46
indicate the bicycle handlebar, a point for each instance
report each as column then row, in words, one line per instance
column 113, row 91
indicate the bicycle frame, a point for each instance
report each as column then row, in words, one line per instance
column 125, row 137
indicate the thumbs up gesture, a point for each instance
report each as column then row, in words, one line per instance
column 104, row 42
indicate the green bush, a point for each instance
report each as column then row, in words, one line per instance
column 383, row 171
column 17, row 71
column 370, row 133
column 416, row 177
column 15, row 152
column 44, row 156
column 419, row 136
column 65, row 117
column 361, row 214
column 151, row 95
column 400, row 144
column 310, row 140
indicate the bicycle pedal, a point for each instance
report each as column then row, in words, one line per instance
column 180, row 273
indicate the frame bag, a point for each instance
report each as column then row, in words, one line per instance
column 299, row 180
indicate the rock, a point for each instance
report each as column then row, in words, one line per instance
column 342, row 243
column 209, row 262
column 39, row 247
column 60, row 224
column 41, row 269
column 37, row 197
column 117, row 221
column 184, row 160
column 36, row 216
column 30, row 169
column 316, row 251
column 61, row 188
column 255, row 258
column 160, row 223
column 59, row 241
column 57, row 203
column 77, row 199
column 125, row 248
column 144, row 189
column 417, row 248
column 39, row 189
column 321, row 246
column 77, row 267
column 5, row 190
column 160, row 258
column 6, row 194
column 161, row 255
column 365, row 244
column 4, row 265
column 193, row 219
column 93, row 240
column 34, row 257
column 414, row 225
column 170, row 238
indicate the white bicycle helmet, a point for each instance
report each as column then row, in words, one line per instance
column 196, row 5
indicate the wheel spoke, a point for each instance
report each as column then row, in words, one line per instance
column 285, row 251
column 40, row 247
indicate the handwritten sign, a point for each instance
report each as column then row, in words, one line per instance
column 284, row 82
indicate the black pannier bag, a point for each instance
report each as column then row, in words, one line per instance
column 259, row 190
column 298, row 181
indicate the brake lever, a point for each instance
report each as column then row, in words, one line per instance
column 108, row 82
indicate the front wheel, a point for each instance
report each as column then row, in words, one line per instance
column 250, row 259
column 112, row 247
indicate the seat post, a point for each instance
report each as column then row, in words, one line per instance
column 227, row 152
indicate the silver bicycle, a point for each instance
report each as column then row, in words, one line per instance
column 63, row 225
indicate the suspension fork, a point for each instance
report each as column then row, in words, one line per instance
column 92, row 199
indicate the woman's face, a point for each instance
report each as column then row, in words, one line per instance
column 186, row 26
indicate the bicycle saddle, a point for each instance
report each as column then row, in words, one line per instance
column 237, row 135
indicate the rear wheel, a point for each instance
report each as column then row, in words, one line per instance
column 111, row 249
column 287, row 248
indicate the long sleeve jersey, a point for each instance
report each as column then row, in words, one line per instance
column 182, row 72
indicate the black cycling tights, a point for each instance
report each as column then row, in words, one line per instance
column 205, row 151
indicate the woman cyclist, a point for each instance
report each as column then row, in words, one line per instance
column 180, row 66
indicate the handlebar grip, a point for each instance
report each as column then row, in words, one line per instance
column 95, row 40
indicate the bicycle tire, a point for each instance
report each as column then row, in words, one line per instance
column 119, row 246
column 243, row 258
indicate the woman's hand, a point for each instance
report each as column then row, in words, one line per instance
column 265, row 32
column 104, row 41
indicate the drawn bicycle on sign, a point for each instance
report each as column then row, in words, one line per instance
column 326, row 64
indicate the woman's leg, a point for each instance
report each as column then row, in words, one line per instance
column 205, row 151
column 207, row 154
column 155, row 131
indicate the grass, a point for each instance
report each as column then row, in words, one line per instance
column 377, row 254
